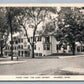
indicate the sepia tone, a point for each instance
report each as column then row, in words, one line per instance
column 42, row 40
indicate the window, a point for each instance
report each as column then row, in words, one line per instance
column 35, row 39
column 39, row 38
column 58, row 47
column 29, row 39
column 78, row 49
column 15, row 48
column 36, row 54
column 47, row 39
column 40, row 54
column 21, row 46
column 19, row 53
column 65, row 47
column 34, row 47
column 21, row 40
column 46, row 46
column 16, row 42
column 82, row 49
column 28, row 46
column 22, row 53
column 14, row 38
column 5, row 53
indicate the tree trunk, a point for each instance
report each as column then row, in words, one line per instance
column 1, row 51
column 81, row 46
column 73, row 48
column 32, row 50
column 10, row 24
column 11, row 44
column 33, row 41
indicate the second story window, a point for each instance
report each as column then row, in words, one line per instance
column 47, row 39
column 16, row 42
column 46, row 46
column 35, row 39
column 21, row 46
column 15, row 48
column 21, row 40
column 39, row 38
column 82, row 49
column 58, row 47
column 28, row 46
column 34, row 47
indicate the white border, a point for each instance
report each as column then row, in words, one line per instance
column 44, row 5
column 42, row 77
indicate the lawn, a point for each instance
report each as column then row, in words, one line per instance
column 48, row 66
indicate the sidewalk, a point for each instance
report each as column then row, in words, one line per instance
column 7, row 60
column 11, row 62
column 73, row 70
column 71, row 56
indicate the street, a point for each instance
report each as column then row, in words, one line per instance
column 41, row 66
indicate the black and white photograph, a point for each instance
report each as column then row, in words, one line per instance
column 42, row 42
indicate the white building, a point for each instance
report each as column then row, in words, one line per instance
column 44, row 45
column 48, row 45
column 23, row 46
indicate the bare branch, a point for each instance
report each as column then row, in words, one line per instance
column 26, row 33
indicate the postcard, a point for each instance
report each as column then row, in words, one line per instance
column 42, row 42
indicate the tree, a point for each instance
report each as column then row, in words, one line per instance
column 3, row 29
column 49, row 27
column 32, row 18
column 11, row 13
column 70, row 23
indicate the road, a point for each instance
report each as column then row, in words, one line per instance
column 37, row 66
